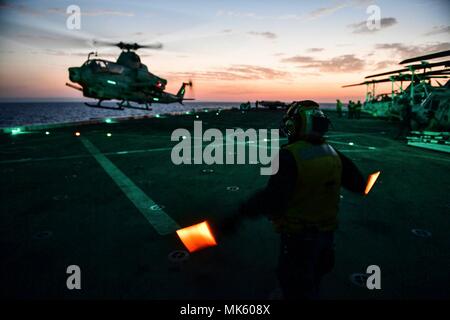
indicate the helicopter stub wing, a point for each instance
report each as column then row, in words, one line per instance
column 74, row 86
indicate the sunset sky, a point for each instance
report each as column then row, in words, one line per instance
column 232, row 50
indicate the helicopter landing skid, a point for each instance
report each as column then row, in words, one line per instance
column 99, row 105
column 129, row 106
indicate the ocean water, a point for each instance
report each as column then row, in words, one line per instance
column 27, row 113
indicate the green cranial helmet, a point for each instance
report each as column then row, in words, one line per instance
column 304, row 118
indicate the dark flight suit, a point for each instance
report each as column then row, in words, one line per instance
column 339, row 108
column 406, row 117
column 302, row 201
column 351, row 109
column 358, row 107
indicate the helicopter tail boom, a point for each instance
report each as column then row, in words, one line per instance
column 182, row 91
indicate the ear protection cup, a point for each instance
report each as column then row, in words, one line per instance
column 290, row 127
column 303, row 118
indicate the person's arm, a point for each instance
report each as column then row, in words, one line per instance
column 269, row 201
column 273, row 198
column 352, row 179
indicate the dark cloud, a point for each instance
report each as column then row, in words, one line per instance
column 385, row 63
column 25, row 9
column 315, row 49
column 403, row 51
column 438, row 30
column 299, row 59
column 93, row 13
column 21, row 8
column 325, row 11
column 267, row 34
column 344, row 63
column 336, row 6
column 361, row 27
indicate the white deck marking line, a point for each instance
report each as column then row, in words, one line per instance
column 160, row 220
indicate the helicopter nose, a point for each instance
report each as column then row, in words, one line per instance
column 74, row 74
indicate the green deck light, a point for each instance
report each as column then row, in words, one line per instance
column 108, row 134
column 197, row 116
column 155, row 99
column 157, row 115
column 108, row 120
column 111, row 82
column 350, row 143
column 47, row 133
column 15, row 131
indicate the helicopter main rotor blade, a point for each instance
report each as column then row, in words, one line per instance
column 155, row 46
column 412, row 67
column 427, row 57
column 127, row 46
column 387, row 73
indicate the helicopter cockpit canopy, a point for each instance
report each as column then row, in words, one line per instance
column 97, row 66
column 129, row 59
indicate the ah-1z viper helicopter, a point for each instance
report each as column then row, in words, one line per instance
column 126, row 80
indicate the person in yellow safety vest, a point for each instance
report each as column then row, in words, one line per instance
column 302, row 200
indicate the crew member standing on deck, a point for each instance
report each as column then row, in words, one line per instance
column 350, row 108
column 358, row 107
column 302, row 200
column 405, row 117
column 339, row 108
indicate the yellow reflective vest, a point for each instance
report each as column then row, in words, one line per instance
column 315, row 201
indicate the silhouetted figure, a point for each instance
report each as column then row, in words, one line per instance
column 405, row 118
column 245, row 106
column 339, row 108
column 358, row 107
column 351, row 109
column 302, row 201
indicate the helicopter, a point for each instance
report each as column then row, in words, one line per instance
column 127, row 80
column 430, row 104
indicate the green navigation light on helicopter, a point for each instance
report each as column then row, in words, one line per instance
column 111, row 82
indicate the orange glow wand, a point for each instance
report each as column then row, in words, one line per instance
column 196, row 237
column 371, row 181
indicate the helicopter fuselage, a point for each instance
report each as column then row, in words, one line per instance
column 125, row 80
